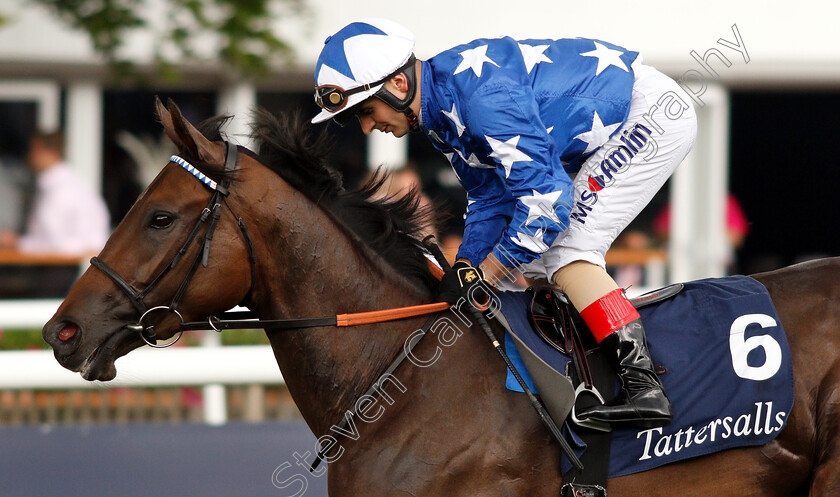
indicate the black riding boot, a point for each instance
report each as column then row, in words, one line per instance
column 642, row 401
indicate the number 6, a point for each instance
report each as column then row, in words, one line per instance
column 740, row 348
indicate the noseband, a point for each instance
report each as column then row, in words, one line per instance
column 212, row 213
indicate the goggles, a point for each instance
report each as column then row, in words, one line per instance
column 333, row 98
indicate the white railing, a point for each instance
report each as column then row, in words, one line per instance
column 211, row 366
column 26, row 314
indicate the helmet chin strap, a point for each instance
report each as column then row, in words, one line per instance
column 403, row 105
column 413, row 121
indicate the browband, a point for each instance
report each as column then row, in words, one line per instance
column 198, row 174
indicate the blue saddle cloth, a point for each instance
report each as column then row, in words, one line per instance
column 729, row 371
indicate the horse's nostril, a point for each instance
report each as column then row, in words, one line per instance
column 67, row 332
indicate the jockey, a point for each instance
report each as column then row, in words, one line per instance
column 559, row 145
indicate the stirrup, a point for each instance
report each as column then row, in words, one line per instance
column 589, row 423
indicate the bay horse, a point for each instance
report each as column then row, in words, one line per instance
column 444, row 425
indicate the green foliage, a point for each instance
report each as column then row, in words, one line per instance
column 243, row 27
column 31, row 339
column 244, row 337
column 22, row 340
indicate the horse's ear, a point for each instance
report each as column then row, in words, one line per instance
column 165, row 119
column 186, row 135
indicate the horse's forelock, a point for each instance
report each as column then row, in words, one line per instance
column 212, row 128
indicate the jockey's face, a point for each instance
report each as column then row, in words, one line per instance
column 376, row 114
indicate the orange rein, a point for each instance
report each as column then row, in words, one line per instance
column 389, row 314
column 397, row 313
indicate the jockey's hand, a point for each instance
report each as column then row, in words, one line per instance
column 458, row 282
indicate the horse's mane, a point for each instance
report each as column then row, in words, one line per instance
column 390, row 226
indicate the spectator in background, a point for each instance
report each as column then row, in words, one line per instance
column 403, row 180
column 630, row 275
column 67, row 218
column 737, row 227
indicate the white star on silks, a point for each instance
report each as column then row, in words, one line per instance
column 598, row 135
column 506, row 152
column 473, row 160
column 606, row 57
column 533, row 55
column 469, row 203
column 533, row 243
column 435, row 136
column 541, row 205
column 453, row 116
column 449, row 156
column 549, row 130
column 474, row 59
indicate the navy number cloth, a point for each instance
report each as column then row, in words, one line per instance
column 729, row 371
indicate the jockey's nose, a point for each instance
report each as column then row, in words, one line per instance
column 367, row 124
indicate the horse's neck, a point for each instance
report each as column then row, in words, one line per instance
column 312, row 269
column 310, row 266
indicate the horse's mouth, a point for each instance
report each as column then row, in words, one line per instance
column 99, row 365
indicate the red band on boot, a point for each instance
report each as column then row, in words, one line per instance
column 609, row 313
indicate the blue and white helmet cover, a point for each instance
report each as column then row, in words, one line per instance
column 362, row 52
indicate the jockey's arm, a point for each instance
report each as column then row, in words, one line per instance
column 507, row 119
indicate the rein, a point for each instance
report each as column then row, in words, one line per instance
column 236, row 320
column 239, row 320
column 244, row 320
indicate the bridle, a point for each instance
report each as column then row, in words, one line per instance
column 245, row 320
column 242, row 320
column 210, row 214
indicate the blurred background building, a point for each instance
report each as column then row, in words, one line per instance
column 765, row 79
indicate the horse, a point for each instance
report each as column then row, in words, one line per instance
column 291, row 242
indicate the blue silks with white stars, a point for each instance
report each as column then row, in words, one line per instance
column 515, row 118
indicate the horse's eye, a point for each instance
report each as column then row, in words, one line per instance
column 161, row 221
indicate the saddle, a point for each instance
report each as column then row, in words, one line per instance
column 585, row 376
column 559, row 325
column 692, row 336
